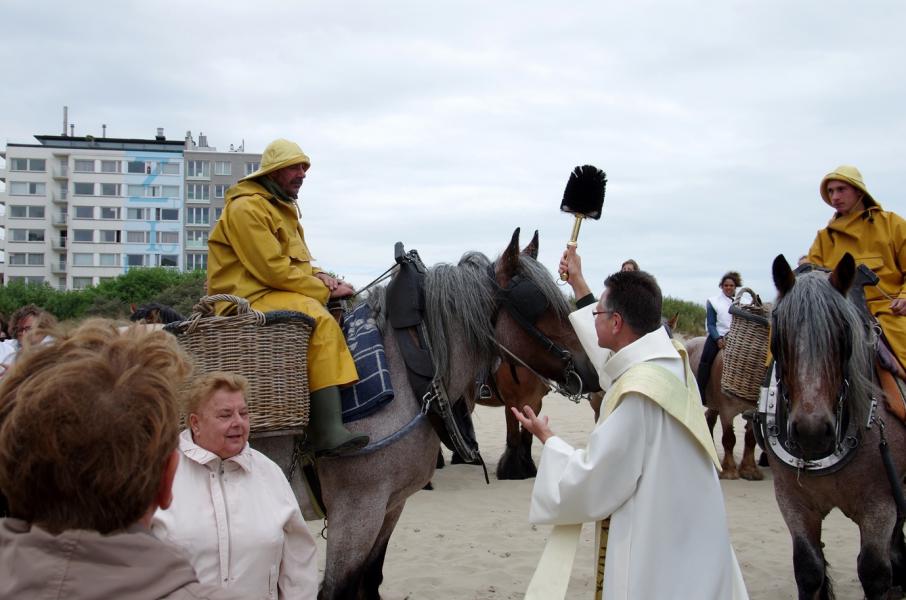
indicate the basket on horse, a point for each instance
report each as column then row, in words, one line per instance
column 746, row 351
column 269, row 349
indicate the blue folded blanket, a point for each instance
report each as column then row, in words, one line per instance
column 373, row 389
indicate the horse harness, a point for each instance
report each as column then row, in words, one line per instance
column 771, row 423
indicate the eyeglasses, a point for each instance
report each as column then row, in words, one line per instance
column 595, row 313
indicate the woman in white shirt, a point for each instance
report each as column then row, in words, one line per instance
column 233, row 510
column 717, row 324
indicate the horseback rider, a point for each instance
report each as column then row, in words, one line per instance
column 874, row 237
column 717, row 324
column 257, row 251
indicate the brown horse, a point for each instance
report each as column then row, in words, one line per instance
column 826, row 433
column 365, row 493
column 727, row 407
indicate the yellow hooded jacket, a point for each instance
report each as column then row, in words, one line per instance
column 876, row 238
column 257, row 251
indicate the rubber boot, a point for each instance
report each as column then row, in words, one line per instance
column 325, row 426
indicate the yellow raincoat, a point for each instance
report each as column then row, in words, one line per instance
column 257, row 251
column 876, row 238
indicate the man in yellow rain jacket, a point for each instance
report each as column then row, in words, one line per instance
column 257, row 251
column 874, row 237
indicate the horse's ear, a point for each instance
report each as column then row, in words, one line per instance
column 532, row 248
column 843, row 274
column 509, row 260
column 784, row 278
column 672, row 321
column 132, row 308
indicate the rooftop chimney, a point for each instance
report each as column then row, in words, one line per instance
column 65, row 120
column 104, row 130
column 202, row 140
column 72, row 130
column 160, row 134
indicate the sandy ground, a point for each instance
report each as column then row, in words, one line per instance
column 468, row 541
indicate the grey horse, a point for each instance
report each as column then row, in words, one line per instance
column 365, row 494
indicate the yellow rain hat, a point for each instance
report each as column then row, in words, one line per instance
column 279, row 154
column 852, row 176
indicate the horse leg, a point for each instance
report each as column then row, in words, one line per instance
column 809, row 564
column 898, row 556
column 747, row 468
column 525, row 446
column 350, row 547
column 373, row 572
column 874, row 564
column 510, row 465
column 711, row 419
column 728, row 440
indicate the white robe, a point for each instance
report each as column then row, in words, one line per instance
column 668, row 532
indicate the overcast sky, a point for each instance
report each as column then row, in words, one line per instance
column 448, row 124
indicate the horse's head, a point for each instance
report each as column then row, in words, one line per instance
column 532, row 319
column 819, row 343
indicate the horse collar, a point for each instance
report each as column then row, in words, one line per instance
column 772, row 425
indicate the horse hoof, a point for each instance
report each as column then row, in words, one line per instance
column 728, row 474
column 456, row 459
column 429, row 486
column 751, row 474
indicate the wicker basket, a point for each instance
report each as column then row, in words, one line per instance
column 746, row 350
column 269, row 349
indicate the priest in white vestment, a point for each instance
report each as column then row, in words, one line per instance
column 650, row 462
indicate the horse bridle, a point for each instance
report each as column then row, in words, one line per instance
column 525, row 303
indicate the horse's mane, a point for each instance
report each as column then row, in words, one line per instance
column 814, row 322
column 460, row 304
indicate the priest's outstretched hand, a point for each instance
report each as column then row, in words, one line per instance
column 534, row 423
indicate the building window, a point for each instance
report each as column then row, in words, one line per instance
column 169, row 168
column 109, row 260
column 197, row 216
column 138, row 166
column 135, row 260
column 169, row 260
column 27, row 188
column 84, row 212
column 170, row 191
column 167, row 214
column 110, row 189
column 251, row 167
column 26, row 235
column 35, row 280
column 220, row 190
column 198, row 191
column 110, row 166
column 83, row 189
column 83, row 235
column 223, row 167
column 136, row 237
column 196, row 261
column 23, row 259
column 217, row 213
column 167, row 237
column 109, row 236
column 137, row 214
column 82, row 259
column 80, row 283
column 198, row 168
column 27, row 164
column 197, row 235
column 135, row 191
column 110, row 212
column 84, row 166
column 26, row 212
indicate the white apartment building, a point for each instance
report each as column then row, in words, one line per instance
column 78, row 210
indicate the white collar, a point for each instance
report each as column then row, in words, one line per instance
column 650, row 346
column 203, row 456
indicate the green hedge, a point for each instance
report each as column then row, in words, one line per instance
column 111, row 298
column 691, row 320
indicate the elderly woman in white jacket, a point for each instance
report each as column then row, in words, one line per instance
column 233, row 510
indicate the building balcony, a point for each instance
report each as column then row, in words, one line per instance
column 60, row 219
column 58, row 268
column 196, row 245
column 59, row 197
column 58, row 244
column 61, row 172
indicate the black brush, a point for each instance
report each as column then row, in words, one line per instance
column 583, row 198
